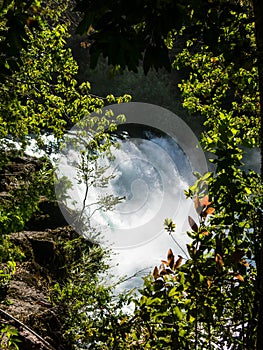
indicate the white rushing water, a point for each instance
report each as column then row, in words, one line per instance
column 152, row 167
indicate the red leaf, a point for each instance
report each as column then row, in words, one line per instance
column 219, row 259
column 204, row 202
column 210, row 210
column 170, row 258
column 156, row 273
column 163, row 272
column 207, row 211
column 238, row 276
column 165, row 262
column 170, row 254
column 244, row 262
column 192, row 224
column 219, row 262
column 178, row 262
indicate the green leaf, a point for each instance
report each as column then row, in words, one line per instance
column 178, row 313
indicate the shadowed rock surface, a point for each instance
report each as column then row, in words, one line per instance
column 25, row 301
column 27, row 297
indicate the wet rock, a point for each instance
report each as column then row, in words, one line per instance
column 27, row 298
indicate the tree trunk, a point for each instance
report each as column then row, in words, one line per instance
column 258, row 13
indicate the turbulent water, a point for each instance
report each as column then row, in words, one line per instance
column 149, row 171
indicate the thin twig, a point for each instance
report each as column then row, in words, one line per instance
column 21, row 324
column 187, row 256
column 132, row 276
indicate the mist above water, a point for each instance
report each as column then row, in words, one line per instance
column 149, row 171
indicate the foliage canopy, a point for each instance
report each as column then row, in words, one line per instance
column 214, row 297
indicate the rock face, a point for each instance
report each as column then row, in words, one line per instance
column 48, row 216
column 27, row 298
column 24, row 302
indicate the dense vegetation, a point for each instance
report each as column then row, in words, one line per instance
column 212, row 300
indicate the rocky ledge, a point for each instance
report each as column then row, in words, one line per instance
column 25, row 300
column 26, row 304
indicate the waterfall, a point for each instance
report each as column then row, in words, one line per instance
column 153, row 164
